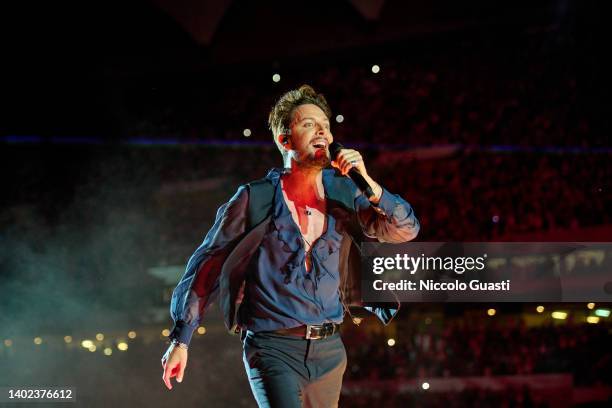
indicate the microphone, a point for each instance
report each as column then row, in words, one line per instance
column 362, row 184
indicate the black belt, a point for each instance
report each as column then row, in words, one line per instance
column 311, row 331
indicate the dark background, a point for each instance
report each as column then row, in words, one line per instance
column 122, row 131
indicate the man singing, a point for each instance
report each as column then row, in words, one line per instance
column 276, row 257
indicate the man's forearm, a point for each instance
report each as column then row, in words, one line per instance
column 376, row 188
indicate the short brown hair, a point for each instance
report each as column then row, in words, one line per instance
column 282, row 112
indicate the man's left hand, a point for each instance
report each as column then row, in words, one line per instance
column 348, row 159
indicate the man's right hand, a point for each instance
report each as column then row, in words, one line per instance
column 174, row 363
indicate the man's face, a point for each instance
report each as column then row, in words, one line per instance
column 310, row 136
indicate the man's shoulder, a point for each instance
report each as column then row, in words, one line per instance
column 259, row 182
column 260, row 189
column 260, row 194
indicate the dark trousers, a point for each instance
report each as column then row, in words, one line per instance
column 289, row 372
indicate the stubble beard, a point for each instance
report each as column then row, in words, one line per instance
column 319, row 160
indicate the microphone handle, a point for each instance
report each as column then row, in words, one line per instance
column 361, row 183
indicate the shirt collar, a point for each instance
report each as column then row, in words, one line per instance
column 275, row 174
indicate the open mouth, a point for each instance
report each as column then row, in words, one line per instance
column 320, row 144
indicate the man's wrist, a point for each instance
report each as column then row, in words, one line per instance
column 376, row 189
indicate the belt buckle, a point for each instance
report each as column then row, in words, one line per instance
column 328, row 329
column 309, row 335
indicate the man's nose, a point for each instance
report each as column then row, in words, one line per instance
column 322, row 131
column 326, row 133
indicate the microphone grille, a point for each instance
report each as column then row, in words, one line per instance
column 334, row 149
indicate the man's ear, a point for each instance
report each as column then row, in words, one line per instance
column 284, row 140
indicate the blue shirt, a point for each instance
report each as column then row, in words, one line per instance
column 279, row 291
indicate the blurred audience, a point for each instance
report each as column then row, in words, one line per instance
column 469, row 347
column 530, row 92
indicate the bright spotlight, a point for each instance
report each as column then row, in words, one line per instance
column 602, row 312
column 87, row 343
column 375, row 69
column 246, row 132
column 276, row 77
column 559, row 315
column 68, row 339
column 99, row 337
column 339, row 118
column 590, row 305
column 37, row 340
column 122, row 346
column 165, row 332
column 425, row 385
column 592, row 319
column 132, row 334
column 491, row 312
column 108, row 351
column 540, row 309
column 201, row 330
column 391, row 342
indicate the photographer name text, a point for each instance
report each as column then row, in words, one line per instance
column 431, row 285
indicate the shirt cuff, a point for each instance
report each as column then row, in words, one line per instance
column 386, row 204
column 182, row 332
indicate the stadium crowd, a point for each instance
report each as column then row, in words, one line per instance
column 527, row 92
column 476, row 347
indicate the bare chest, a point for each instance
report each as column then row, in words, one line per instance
column 310, row 219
